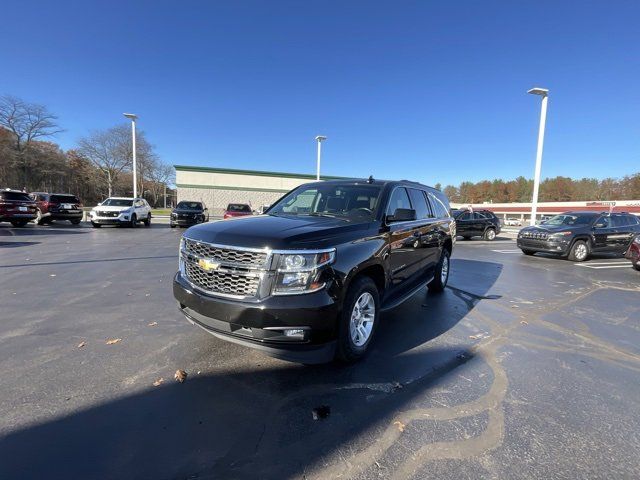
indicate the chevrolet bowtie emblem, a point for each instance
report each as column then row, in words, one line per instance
column 207, row 265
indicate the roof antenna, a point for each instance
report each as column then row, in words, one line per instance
column 370, row 179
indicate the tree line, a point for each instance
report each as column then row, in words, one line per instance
column 557, row 189
column 100, row 165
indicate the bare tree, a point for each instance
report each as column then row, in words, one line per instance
column 26, row 122
column 109, row 151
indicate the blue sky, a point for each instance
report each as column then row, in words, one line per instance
column 433, row 91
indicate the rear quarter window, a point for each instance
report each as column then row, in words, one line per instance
column 64, row 199
column 16, row 196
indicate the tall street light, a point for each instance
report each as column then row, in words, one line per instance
column 133, row 119
column 544, row 93
column 319, row 139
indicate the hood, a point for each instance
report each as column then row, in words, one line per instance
column 275, row 232
column 186, row 210
column 552, row 228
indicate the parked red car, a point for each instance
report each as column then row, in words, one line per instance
column 57, row 206
column 237, row 210
column 633, row 253
column 16, row 207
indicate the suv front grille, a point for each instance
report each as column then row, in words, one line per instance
column 229, row 256
column 222, row 270
column 104, row 213
column 222, row 282
column 535, row 235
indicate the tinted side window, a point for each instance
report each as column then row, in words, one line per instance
column 633, row 220
column 440, row 209
column 465, row 216
column 605, row 221
column 419, row 203
column 480, row 216
column 399, row 199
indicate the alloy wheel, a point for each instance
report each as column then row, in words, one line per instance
column 362, row 318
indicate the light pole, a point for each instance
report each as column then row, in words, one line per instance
column 133, row 119
column 544, row 93
column 319, row 139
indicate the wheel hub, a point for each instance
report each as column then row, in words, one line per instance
column 362, row 318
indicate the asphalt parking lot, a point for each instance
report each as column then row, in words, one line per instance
column 525, row 367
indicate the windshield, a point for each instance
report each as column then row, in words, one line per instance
column 569, row 220
column 351, row 201
column 238, row 207
column 117, row 202
column 189, row 206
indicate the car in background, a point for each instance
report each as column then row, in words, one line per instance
column 513, row 222
column 16, row 207
column 477, row 223
column 188, row 213
column 633, row 252
column 57, row 206
column 121, row 211
column 237, row 210
column 576, row 235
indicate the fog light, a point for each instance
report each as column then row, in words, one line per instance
column 126, row 217
column 293, row 332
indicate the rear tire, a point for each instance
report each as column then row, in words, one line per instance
column 19, row 223
column 358, row 323
column 637, row 266
column 579, row 251
column 172, row 225
column 441, row 275
column 467, row 238
column 528, row 252
column 75, row 221
column 95, row 225
column 490, row 234
column 134, row 221
column 147, row 222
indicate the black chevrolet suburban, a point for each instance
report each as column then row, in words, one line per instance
column 576, row 235
column 307, row 280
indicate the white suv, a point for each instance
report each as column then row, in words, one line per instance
column 121, row 211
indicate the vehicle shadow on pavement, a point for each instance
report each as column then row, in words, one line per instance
column 258, row 422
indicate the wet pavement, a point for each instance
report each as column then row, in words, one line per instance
column 525, row 367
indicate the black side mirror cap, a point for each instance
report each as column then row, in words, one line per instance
column 402, row 215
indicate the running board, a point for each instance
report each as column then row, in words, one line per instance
column 406, row 296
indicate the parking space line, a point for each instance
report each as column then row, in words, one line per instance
column 596, row 267
column 507, row 251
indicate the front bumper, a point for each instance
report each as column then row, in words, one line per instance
column 185, row 222
column 633, row 254
column 121, row 219
column 261, row 324
column 63, row 215
column 550, row 246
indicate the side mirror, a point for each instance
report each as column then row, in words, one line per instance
column 402, row 215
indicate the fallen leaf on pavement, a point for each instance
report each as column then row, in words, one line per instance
column 113, row 340
column 82, row 344
column 52, row 275
column 400, row 425
column 152, row 324
column 524, row 322
column 158, row 382
column 180, row 375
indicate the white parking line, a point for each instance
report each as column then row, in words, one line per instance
column 603, row 265
column 507, row 251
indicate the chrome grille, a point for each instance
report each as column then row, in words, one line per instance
column 222, row 282
column 104, row 213
column 229, row 256
column 535, row 235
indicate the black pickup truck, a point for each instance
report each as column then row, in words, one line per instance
column 307, row 280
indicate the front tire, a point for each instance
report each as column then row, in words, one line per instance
column 95, row 225
column 579, row 251
column 490, row 234
column 441, row 275
column 528, row 252
column 358, row 320
column 19, row 223
column 75, row 221
column 147, row 222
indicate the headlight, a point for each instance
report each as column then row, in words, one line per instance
column 301, row 272
column 637, row 240
column 559, row 235
column 180, row 259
